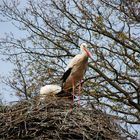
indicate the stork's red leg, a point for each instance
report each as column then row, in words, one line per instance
column 73, row 89
column 79, row 92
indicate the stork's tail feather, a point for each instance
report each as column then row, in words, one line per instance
column 64, row 94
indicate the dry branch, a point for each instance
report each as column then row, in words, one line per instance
column 53, row 120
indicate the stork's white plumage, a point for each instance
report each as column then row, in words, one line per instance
column 49, row 90
column 76, row 69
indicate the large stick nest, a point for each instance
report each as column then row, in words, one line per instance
column 54, row 120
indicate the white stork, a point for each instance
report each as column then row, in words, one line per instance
column 76, row 69
column 53, row 91
column 49, row 90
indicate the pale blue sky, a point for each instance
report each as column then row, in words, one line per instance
column 6, row 27
column 6, row 67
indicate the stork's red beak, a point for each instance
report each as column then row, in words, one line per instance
column 88, row 53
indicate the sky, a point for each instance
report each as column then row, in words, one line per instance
column 6, row 67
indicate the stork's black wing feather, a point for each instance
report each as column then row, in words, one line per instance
column 62, row 93
column 66, row 74
column 67, row 94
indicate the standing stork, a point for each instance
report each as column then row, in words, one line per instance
column 75, row 70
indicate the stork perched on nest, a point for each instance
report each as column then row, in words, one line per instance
column 49, row 90
column 52, row 91
column 76, row 69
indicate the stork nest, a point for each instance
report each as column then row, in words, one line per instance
column 54, row 120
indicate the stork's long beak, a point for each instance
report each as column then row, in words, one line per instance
column 89, row 53
column 91, row 57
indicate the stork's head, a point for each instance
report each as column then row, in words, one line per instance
column 84, row 50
